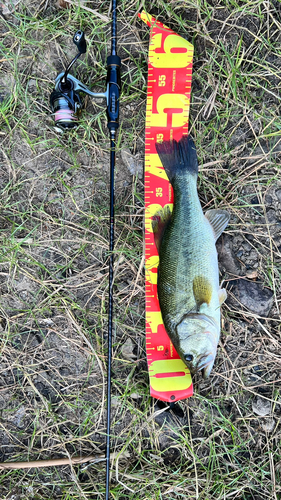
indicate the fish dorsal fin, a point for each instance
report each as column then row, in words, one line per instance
column 218, row 220
column 159, row 223
column 202, row 290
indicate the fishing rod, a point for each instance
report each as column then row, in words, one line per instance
column 66, row 105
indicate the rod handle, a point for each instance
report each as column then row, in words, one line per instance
column 114, row 89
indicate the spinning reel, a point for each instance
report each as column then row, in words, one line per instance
column 65, row 100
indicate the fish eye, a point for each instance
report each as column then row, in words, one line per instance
column 188, row 357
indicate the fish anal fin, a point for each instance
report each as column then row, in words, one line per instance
column 218, row 220
column 159, row 223
column 202, row 290
column 222, row 295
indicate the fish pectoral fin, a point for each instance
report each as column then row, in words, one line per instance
column 222, row 295
column 218, row 220
column 159, row 223
column 202, row 290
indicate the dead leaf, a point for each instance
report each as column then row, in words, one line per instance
column 127, row 350
column 9, row 6
column 252, row 275
column 261, row 407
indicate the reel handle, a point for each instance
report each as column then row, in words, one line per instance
column 80, row 42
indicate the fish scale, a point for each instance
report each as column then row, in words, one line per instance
column 178, row 255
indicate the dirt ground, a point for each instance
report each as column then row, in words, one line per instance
column 225, row 441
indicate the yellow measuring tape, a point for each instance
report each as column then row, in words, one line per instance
column 167, row 111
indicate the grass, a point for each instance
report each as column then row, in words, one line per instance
column 54, row 250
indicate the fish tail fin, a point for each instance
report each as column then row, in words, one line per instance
column 178, row 157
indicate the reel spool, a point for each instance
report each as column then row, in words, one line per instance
column 65, row 100
column 65, row 105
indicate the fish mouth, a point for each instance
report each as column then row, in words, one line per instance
column 203, row 362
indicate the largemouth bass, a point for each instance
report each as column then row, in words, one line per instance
column 188, row 275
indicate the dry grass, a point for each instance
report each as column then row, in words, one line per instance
column 54, row 249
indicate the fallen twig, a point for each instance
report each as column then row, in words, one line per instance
column 51, row 462
column 95, row 12
column 55, row 462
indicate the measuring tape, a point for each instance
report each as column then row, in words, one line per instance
column 167, row 110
